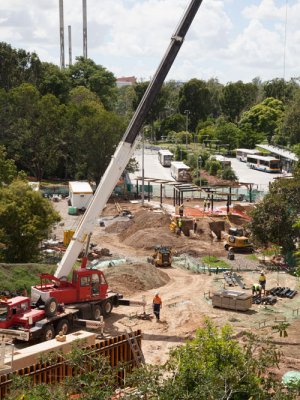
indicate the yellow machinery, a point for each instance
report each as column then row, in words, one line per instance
column 162, row 256
column 236, row 240
column 68, row 236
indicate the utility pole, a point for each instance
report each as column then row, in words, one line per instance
column 62, row 34
column 186, row 126
column 70, row 44
column 84, row 29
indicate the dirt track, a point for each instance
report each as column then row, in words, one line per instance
column 184, row 305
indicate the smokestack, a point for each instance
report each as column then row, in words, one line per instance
column 70, row 44
column 84, row 29
column 61, row 34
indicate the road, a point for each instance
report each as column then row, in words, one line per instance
column 153, row 169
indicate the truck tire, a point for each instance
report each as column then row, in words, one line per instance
column 48, row 333
column 63, row 326
column 226, row 246
column 107, row 307
column 51, row 307
column 97, row 313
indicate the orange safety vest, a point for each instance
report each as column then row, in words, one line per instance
column 157, row 300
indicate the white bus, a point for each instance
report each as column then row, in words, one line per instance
column 165, row 157
column 223, row 160
column 262, row 163
column 180, row 172
column 241, row 154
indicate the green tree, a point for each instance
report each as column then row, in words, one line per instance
column 290, row 129
column 8, row 170
column 273, row 219
column 280, row 89
column 17, row 67
column 236, row 98
column 54, row 81
column 228, row 133
column 85, row 72
column 264, row 118
column 35, row 132
column 228, row 174
column 195, row 97
column 214, row 366
column 175, row 122
column 25, row 219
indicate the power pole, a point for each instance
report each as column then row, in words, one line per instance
column 62, row 34
column 84, row 29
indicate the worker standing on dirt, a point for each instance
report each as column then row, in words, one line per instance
column 204, row 204
column 179, row 224
column 195, row 225
column 157, row 304
column 256, row 289
column 181, row 210
column 208, row 203
column 262, row 281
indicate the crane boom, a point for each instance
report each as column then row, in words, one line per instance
column 125, row 148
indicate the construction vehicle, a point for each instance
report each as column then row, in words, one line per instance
column 236, row 240
column 88, row 292
column 162, row 256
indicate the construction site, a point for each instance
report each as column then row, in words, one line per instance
column 127, row 235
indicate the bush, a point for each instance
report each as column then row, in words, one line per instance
column 228, row 174
column 212, row 167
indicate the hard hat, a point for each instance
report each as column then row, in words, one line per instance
column 157, row 293
column 262, row 272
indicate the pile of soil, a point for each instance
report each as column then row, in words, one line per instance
column 133, row 278
column 118, row 226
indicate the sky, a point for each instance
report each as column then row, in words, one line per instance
column 229, row 40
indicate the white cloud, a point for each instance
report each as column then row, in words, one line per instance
column 229, row 39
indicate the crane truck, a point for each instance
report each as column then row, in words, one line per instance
column 57, row 303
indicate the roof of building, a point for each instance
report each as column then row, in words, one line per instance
column 279, row 151
column 80, row 187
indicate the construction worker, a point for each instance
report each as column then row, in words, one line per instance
column 157, row 304
column 195, row 225
column 208, row 203
column 204, row 204
column 256, row 289
column 179, row 224
column 181, row 210
column 262, row 280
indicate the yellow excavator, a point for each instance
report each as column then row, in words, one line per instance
column 236, row 240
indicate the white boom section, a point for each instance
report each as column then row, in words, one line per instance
column 126, row 147
column 104, row 190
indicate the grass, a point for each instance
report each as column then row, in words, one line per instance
column 213, row 261
column 16, row 277
column 252, row 257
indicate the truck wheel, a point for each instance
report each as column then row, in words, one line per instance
column 51, row 307
column 226, row 247
column 97, row 313
column 107, row 307
column 63, row 326
column 48, row 333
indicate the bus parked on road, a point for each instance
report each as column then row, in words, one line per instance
column 165, row 157
column 241, row 154
column 262, row 163
column 223, row 160
column 180, row 171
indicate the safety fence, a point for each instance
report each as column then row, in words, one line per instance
column 116, row 350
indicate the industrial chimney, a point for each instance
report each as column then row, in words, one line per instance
column 84, row 29
column 61, row 34
column 70, row 44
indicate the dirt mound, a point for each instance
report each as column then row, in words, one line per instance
column 144, row 220
column 149, row 238
column 131, row 278
column 118, row 226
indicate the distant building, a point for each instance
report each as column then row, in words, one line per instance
column 126, row 81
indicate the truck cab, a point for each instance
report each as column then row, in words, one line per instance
column 86, row 285
column 17, row 312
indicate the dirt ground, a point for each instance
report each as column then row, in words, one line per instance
column 185, row 295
